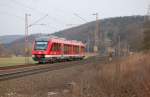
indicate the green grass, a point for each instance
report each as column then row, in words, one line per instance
column 14, row 61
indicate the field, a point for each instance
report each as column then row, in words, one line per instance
column 123, row 77
column 14, row 61
column 10, row 61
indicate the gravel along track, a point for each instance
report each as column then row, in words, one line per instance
column 14, row 72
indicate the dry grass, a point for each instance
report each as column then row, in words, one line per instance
column 128, row 77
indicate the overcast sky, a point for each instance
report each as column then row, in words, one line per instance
column 61, row 13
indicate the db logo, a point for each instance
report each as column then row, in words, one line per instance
column 40, row 52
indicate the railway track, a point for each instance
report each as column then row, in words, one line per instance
column 7, row 73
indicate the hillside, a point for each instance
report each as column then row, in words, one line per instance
column 9, row 38
column 17, row 47
column 129, row 29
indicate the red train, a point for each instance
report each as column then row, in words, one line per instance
column 50, row 49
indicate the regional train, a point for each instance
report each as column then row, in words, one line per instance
column 55, row 49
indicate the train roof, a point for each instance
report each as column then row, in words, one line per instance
column 59, row 40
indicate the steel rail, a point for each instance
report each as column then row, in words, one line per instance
column 26, row 71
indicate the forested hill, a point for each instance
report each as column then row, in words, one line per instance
column 9, row 38
column 129, row 29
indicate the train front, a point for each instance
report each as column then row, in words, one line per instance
column 39, row 50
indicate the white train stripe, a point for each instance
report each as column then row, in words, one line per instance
column 64, row 55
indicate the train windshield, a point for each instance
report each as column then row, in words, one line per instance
column 41, row 45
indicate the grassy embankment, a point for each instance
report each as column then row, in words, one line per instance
column 14, row 61
column 127, row 77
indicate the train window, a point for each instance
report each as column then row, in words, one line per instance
column 82, row 49
column 67, row 49
column 56, row 47
column 76, row 49
column 41, row 45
